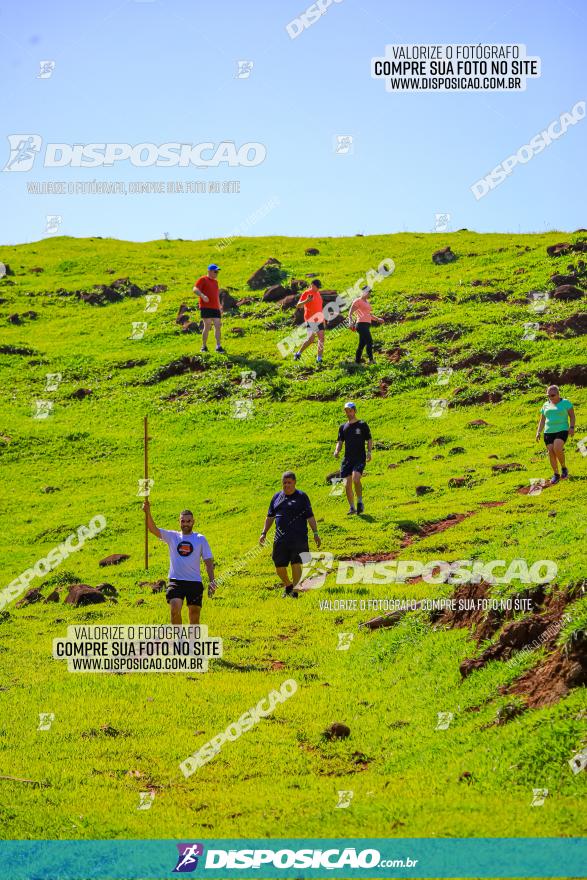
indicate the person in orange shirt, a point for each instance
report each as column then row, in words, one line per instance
column 363, row 315
column 311, row 300
column 207, row 289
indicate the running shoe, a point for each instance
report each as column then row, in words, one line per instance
column 318, row 360
column 351, row 511
column 360, row 507
column 554, row 479
column 220, row 350
column 203, row 348
column 289, row 594
column 297, row 355
column 564, row 473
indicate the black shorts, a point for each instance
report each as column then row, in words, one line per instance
column 210, row 313
column 347, row 467
column 191, row 591
column 557, row 435
column 315, row 326
column 284, row 553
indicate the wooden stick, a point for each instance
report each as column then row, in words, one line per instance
column 146, row 463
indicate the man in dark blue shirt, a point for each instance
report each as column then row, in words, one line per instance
column 291, row 510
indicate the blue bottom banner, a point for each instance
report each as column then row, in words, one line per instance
column 300, row 859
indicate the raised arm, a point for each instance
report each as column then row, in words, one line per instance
column 150, row 524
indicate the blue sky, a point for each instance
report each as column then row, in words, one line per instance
column 164, row 71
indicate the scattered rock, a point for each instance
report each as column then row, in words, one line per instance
column 108, row 293
column 29, row 598
column 456, row 450
column 298, row 285
column 158, row 288
column 383, row 620
column 83, row 594
column 337, row 731
column 311, row 252
column 427, row 368
column 276, row 292
column 108, row 589
column 227, row 302
column 140, row 602
column 30, row 314
column 335, row 475
column 424, row 490
column 52, row 597
column 575, row 324
column 478, row 423
column 183, row 314
column 395, row 354
column 81, row 393
column 36, row 270
column 14, row 319
column 127, row 365
column 558, row 250
column 506, row 468
column 192, row 327
column 507, row 712
column 503, row 357
column 558, row 279
column 237, row 331
column 289, row 302
column 444, row 255
column 156, row 586
column 113, row 559
column 576, row 375
column 185, row 364
column 457, row 482
column 567, row 292
column 48, row 490
column 269, row 273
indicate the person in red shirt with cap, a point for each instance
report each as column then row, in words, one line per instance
column 207, row 289
column 311, row 300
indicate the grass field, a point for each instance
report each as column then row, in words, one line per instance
column 282, row 778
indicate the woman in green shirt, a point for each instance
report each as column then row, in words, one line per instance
column 557, row 418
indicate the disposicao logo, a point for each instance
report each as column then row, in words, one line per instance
column 25, row 147
column 187, row 859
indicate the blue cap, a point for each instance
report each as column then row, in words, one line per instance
column 214, row 267
column 350, row 405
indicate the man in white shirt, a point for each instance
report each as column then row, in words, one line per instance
column 186, row 547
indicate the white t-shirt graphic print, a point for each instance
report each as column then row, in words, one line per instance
column 185, row 552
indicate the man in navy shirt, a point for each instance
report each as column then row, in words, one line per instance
column 291, row 510
column 354, row 433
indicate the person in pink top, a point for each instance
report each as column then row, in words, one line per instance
column 361, row 313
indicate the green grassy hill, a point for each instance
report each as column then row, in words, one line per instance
column 114, row 736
